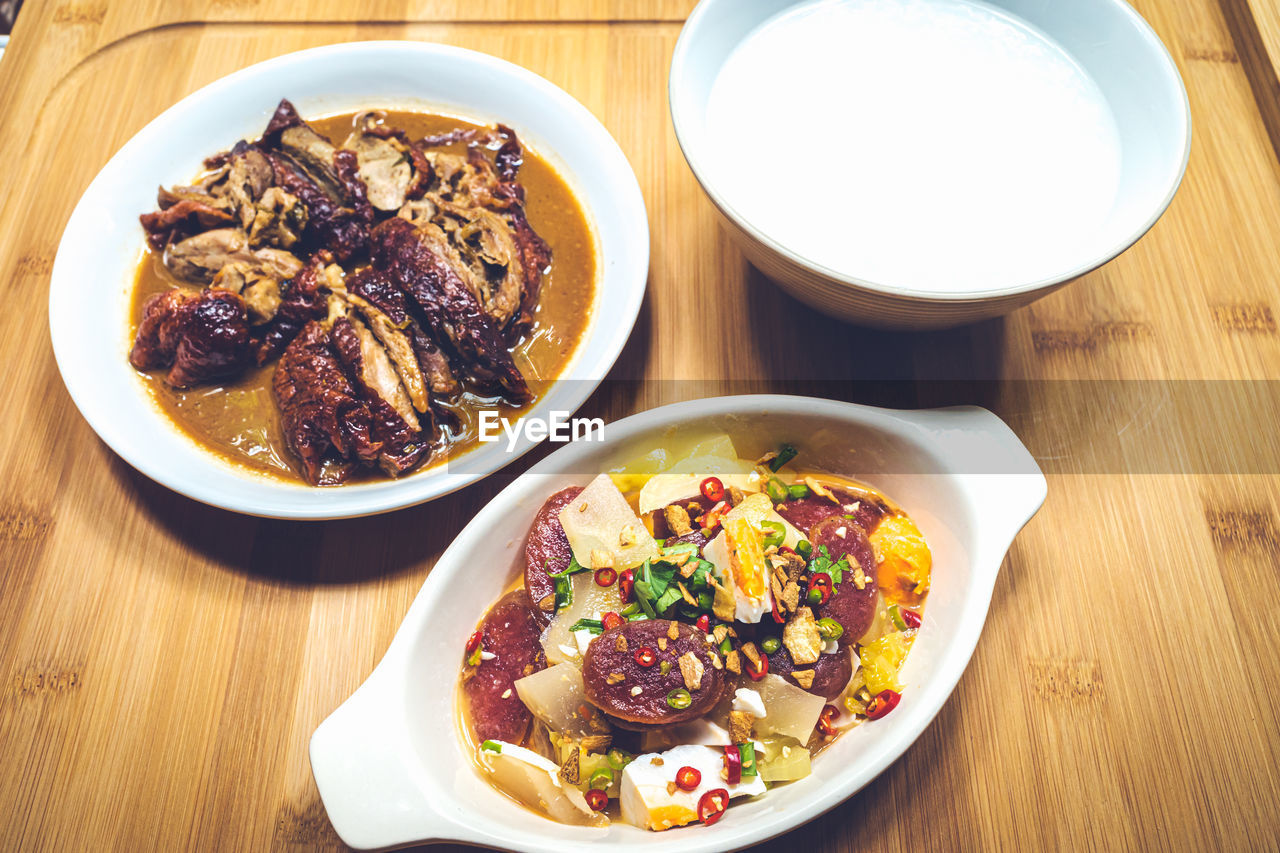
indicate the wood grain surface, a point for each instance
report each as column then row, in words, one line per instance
column 162, row 664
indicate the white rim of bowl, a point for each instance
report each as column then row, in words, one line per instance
column 572, row 388
column 679, row 60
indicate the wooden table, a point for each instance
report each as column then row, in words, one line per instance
column 164, row 663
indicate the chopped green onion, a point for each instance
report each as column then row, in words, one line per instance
column 726, row 646
column 770, row 645
column 797, row 491
column 637, row 617
column 774, row 533
column 492, row 746
column 564, row 592
column 804, row 548
column 595, row 626
column 679, row 699
column 786, row 453
column 748, row 753
column 617, row 759
column 895, row 616
column 776, row 490
column 572, row 569
column 830, row 629
column 664, row 666
column 601, row 779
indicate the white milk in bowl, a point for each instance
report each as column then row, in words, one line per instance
column 939, row 146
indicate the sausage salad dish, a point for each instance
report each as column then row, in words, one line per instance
column 690, row 635
column 337, row 299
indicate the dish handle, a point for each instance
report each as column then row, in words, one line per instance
column 993, row 465
column 372, row 788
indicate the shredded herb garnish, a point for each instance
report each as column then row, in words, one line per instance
column 821, row 562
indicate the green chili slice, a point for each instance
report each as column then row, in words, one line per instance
column 770, row 645
column 830, row 629
column 774, row 533
column 748, row 753
column 617, row 759
column 776, row 490
column 895, row 616
column 804, row 548
column 601, row 779
column 679, row 699
column 797, row 491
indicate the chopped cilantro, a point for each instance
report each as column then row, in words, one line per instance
column 821, row 562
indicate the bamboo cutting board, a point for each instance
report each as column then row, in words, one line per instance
column 164, row 663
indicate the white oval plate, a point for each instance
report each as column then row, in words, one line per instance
column 390, row 763
column 93, row 274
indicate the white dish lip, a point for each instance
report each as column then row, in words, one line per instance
column 621, row 276
column 680, row 61
column 379, row 795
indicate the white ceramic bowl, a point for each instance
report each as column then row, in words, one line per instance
column 390, row 763
column 1107, row 38
column 93, row 273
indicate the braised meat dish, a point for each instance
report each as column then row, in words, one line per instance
column 335, row 299
column 680, row 639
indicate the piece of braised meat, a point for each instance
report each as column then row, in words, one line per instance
column 378, row 290
column 451, row 312
column 395, row 423
column 301, row 301
column 323, row 418
column 163, row 320
column 200, row 337
column 324, row 178
column 475, row 180
column 199, row 258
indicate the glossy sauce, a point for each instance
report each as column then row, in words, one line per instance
column 240, row 421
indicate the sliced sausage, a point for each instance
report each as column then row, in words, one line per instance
column 634, row 694
column 510, row 633
column 806, row 512
column 852, row 607
column 831, row 673
column 547, row 551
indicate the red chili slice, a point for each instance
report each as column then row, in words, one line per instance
column 733, row 764
column 827, row 720
column 473, row 642
column 712, row 805
column 777, row 614
column 646, row 656
column 611, row 620
column 597, row 799
column 626, row 582
column 885, row 701
column 757, row 674
column 688, row 778
column 712, row 489
column 605, row 577
column 910, row 617
column 703, row 624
